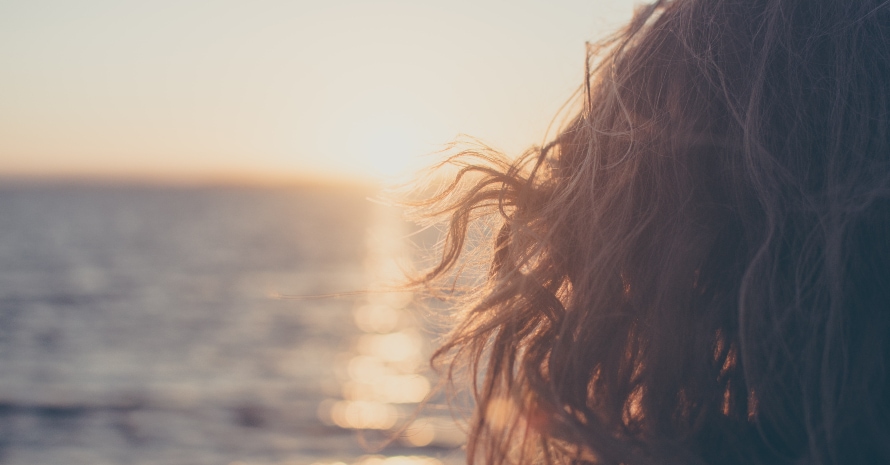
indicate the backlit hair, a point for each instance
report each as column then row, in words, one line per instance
column 697, row 269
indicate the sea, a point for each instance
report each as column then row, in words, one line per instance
column 213, row 325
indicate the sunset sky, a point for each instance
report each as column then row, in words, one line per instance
column 280, row 89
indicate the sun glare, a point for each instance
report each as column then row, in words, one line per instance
column 389, row 145
column 293, row 89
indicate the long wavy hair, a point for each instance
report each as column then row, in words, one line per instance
column 696, row 269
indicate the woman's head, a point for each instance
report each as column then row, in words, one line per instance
column 697, row 268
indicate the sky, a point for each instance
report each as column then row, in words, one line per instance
column 276, row 89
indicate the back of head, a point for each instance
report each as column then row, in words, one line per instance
column 697, row 268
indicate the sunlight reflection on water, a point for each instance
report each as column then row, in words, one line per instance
column 386, row 376
column 395, row 460
column 140, row 326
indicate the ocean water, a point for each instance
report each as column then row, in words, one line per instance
column 149, row 325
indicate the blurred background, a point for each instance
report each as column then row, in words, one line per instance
column 179, row 178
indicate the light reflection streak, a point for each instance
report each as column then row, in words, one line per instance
column 376, row 318
column 363, row 415
column 399, row 460
column 366, row 460
column 383, row 370
column 395, row 460
column 392, row 347
column 397, row 389
column 381, row 380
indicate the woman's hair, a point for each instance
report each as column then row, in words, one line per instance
column 697, row 268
